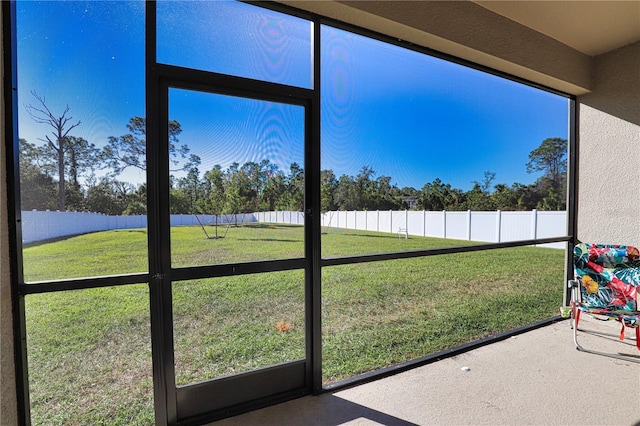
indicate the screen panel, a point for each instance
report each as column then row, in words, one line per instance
column 89, row 356
column 82, row 138
column 242, row 199
column 417, row 146
column 379, row 314
column 230, row 325
column 234, row 38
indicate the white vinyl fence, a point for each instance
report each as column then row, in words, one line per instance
column 44, row 225
column 494, row 226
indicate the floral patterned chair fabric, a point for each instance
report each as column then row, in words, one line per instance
column 606, row 280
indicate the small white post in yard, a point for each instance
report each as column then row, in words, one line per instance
column 469, row 225
column 498, row 225
column 534, row 224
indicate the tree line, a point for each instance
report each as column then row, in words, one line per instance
column 60, row 174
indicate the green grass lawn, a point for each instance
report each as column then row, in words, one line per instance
column 89, row 351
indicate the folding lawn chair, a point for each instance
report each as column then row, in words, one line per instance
column 605, row 285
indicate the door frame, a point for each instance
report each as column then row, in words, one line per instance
column 193, row 403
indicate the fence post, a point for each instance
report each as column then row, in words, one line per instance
column 377, row 220
column 406, row 220
column 534, row 224
column 390, row 220
column 498, row 225
column 424, row 223
column 444, row 224
column 469, row 225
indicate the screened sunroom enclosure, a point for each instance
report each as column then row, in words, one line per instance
column 230, row 114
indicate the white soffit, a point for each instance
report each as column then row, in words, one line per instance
column 591, row 27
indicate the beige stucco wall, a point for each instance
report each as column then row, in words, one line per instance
column 609, row 151
column 8, row 405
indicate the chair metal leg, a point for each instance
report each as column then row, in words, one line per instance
column 575, row 319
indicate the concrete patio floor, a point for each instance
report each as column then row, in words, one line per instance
column 535, row 378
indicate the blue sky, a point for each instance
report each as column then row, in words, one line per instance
column 404, row 114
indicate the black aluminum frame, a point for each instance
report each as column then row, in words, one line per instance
column 158, row 78
column 185, row 404
column 14, row 215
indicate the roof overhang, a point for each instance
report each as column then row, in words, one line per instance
column 506, row 36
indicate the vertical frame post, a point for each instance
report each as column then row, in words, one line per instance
column 158, row 222
column 572, row 195
column 10, row 139
column 312, row 224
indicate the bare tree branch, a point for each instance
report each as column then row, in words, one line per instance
column 61, row 125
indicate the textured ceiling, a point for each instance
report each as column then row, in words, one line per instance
column 591, row 27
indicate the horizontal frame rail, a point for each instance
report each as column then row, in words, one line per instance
column 230, row 269
column 347, row 260
column 244, row 268
column 211, row 82
column 82, row 283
